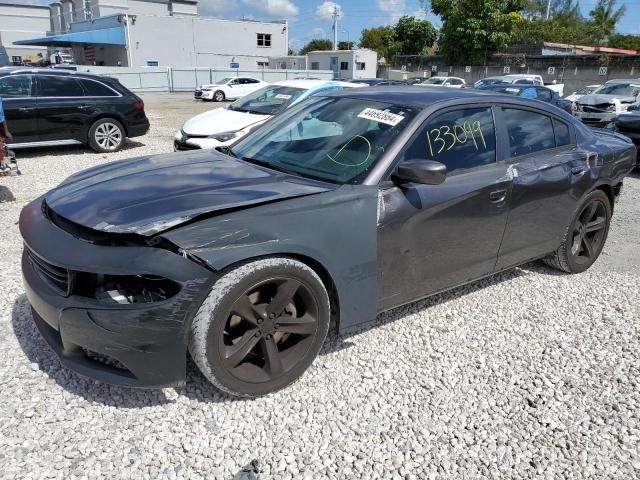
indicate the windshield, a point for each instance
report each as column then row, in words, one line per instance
column 333, row 139
column 487, row 81
column 267, row 101
column 434, row 81
column 624, row 89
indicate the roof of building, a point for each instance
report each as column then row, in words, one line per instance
column 24, row 3
column 588, row 49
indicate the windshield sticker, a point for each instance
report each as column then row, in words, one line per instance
column 381, row 116
column 283, row 96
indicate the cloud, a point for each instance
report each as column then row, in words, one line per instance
column 275, row 8
column 318, row 33
column 393, row 9
column 216, row 8
column 325, row 10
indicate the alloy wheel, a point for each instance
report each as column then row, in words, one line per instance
column 589, row 232
column 108, row 136
column 219, row 96
column 270, row 328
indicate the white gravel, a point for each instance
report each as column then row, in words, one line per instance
column 530, row 374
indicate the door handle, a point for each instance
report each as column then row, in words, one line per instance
column 84, row 107
column 498, row 196
column 26, row 109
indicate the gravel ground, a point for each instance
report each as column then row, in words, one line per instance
column 529, row 373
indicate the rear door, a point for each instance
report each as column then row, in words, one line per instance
column 61, row 107
column 433, row 237
column 20, row 107
column 550, row 175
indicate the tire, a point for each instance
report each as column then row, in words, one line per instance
column 218, row 96
column 106, row 135
column 583, row 242
column 256, row 351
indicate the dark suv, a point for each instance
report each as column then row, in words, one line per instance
column 45, row 106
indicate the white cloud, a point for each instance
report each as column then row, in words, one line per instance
column 393, row 9
column 215, row 8
column 275, row 8
column 325, row 10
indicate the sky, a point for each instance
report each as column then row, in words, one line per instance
column 309, row 19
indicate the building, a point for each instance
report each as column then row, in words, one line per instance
column 290, row 62
column 346, row 64
column 20, row 22
column 159, row 33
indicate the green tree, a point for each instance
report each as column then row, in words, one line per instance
column 316, row 44
column 291, row 51
column 345, row 45
column 472, row 30
column 629, row 42
column 605, row 17
column 414, row 36
column 379, row 39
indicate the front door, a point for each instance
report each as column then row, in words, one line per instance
column 19, row 107
column 432, row 237
column 63, row 111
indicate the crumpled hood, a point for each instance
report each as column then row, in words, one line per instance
column 597, row 99
column 221, row 120
column 151, row 194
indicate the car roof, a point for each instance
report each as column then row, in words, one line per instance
column 48, row 71
column 309, row 84
column 623, row 80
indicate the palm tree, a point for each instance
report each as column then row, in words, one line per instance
column 605, row 16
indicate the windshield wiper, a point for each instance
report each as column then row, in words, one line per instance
column 227, row 150
column 270, row 165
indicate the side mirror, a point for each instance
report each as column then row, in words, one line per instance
column 427, row 172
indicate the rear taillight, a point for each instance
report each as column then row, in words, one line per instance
column 139, row 105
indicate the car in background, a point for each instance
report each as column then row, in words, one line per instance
column 342, row 207
column 438, row 81
column 610, row 100
column 628, row 124
column 49, row 106
column 378, row 82
column 529, row 91
column 520, row 79
column 228, row 88
column 223, row 126
column 578, row 94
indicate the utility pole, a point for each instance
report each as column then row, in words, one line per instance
column 548, row 8
column 335, row 27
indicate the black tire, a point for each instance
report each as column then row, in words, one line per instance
column 235, row 351
column 218, row 96
column 586, row 235
column 106, row 135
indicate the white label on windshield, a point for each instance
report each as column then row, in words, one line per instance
column 381, row 116
column 283, row 96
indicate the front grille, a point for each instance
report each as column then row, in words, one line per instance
column 197, row 94
column 57, row 277
column 586, row 108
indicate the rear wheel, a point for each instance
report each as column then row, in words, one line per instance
column 261, row 326
column 106, row 135
column 218, row 96
column 586, row 235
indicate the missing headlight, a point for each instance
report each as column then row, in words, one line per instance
column 127, row 289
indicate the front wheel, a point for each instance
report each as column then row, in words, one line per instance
column 218, row 96
column 106, row 135
column 586, row 235
column 261, row 326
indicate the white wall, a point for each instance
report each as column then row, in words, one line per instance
column 323, row 60
column 22, row 22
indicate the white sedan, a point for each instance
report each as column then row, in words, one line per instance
column 451, row 82
column 229, row 88
column 223, row 126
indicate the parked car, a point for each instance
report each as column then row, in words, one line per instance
column 346, row 205
column 224, row 126
column 628, row 124
column 530, row 91
column 378, row 82
column 578, row 94
column 614, row 97
column 229, row 88
column 451, row 82
column 60, row 106
column 521, row 79
column 414, row 80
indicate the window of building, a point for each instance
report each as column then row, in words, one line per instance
column 529, row 132
column 315, row 65
column 17, row 86
column 263, row 64
column 344, row 65
column 96, row 89
column 59, row 87
column 561, row 130
column 459, row 139
column 264, row 39
column 16, row 60
column 362, row 66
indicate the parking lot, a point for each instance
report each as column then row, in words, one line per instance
column 529, row 373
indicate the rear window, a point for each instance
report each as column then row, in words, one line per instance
column 96, row 89
column 51, row 86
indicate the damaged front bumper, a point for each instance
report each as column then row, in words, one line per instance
column 139, row 344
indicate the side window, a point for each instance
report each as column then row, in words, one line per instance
column 544, row 94
column 51, row 86
column 460, row 139
column 561, row 129
column 96, row 89
column 18, row 86
column 529, row 132
column 235, row 82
